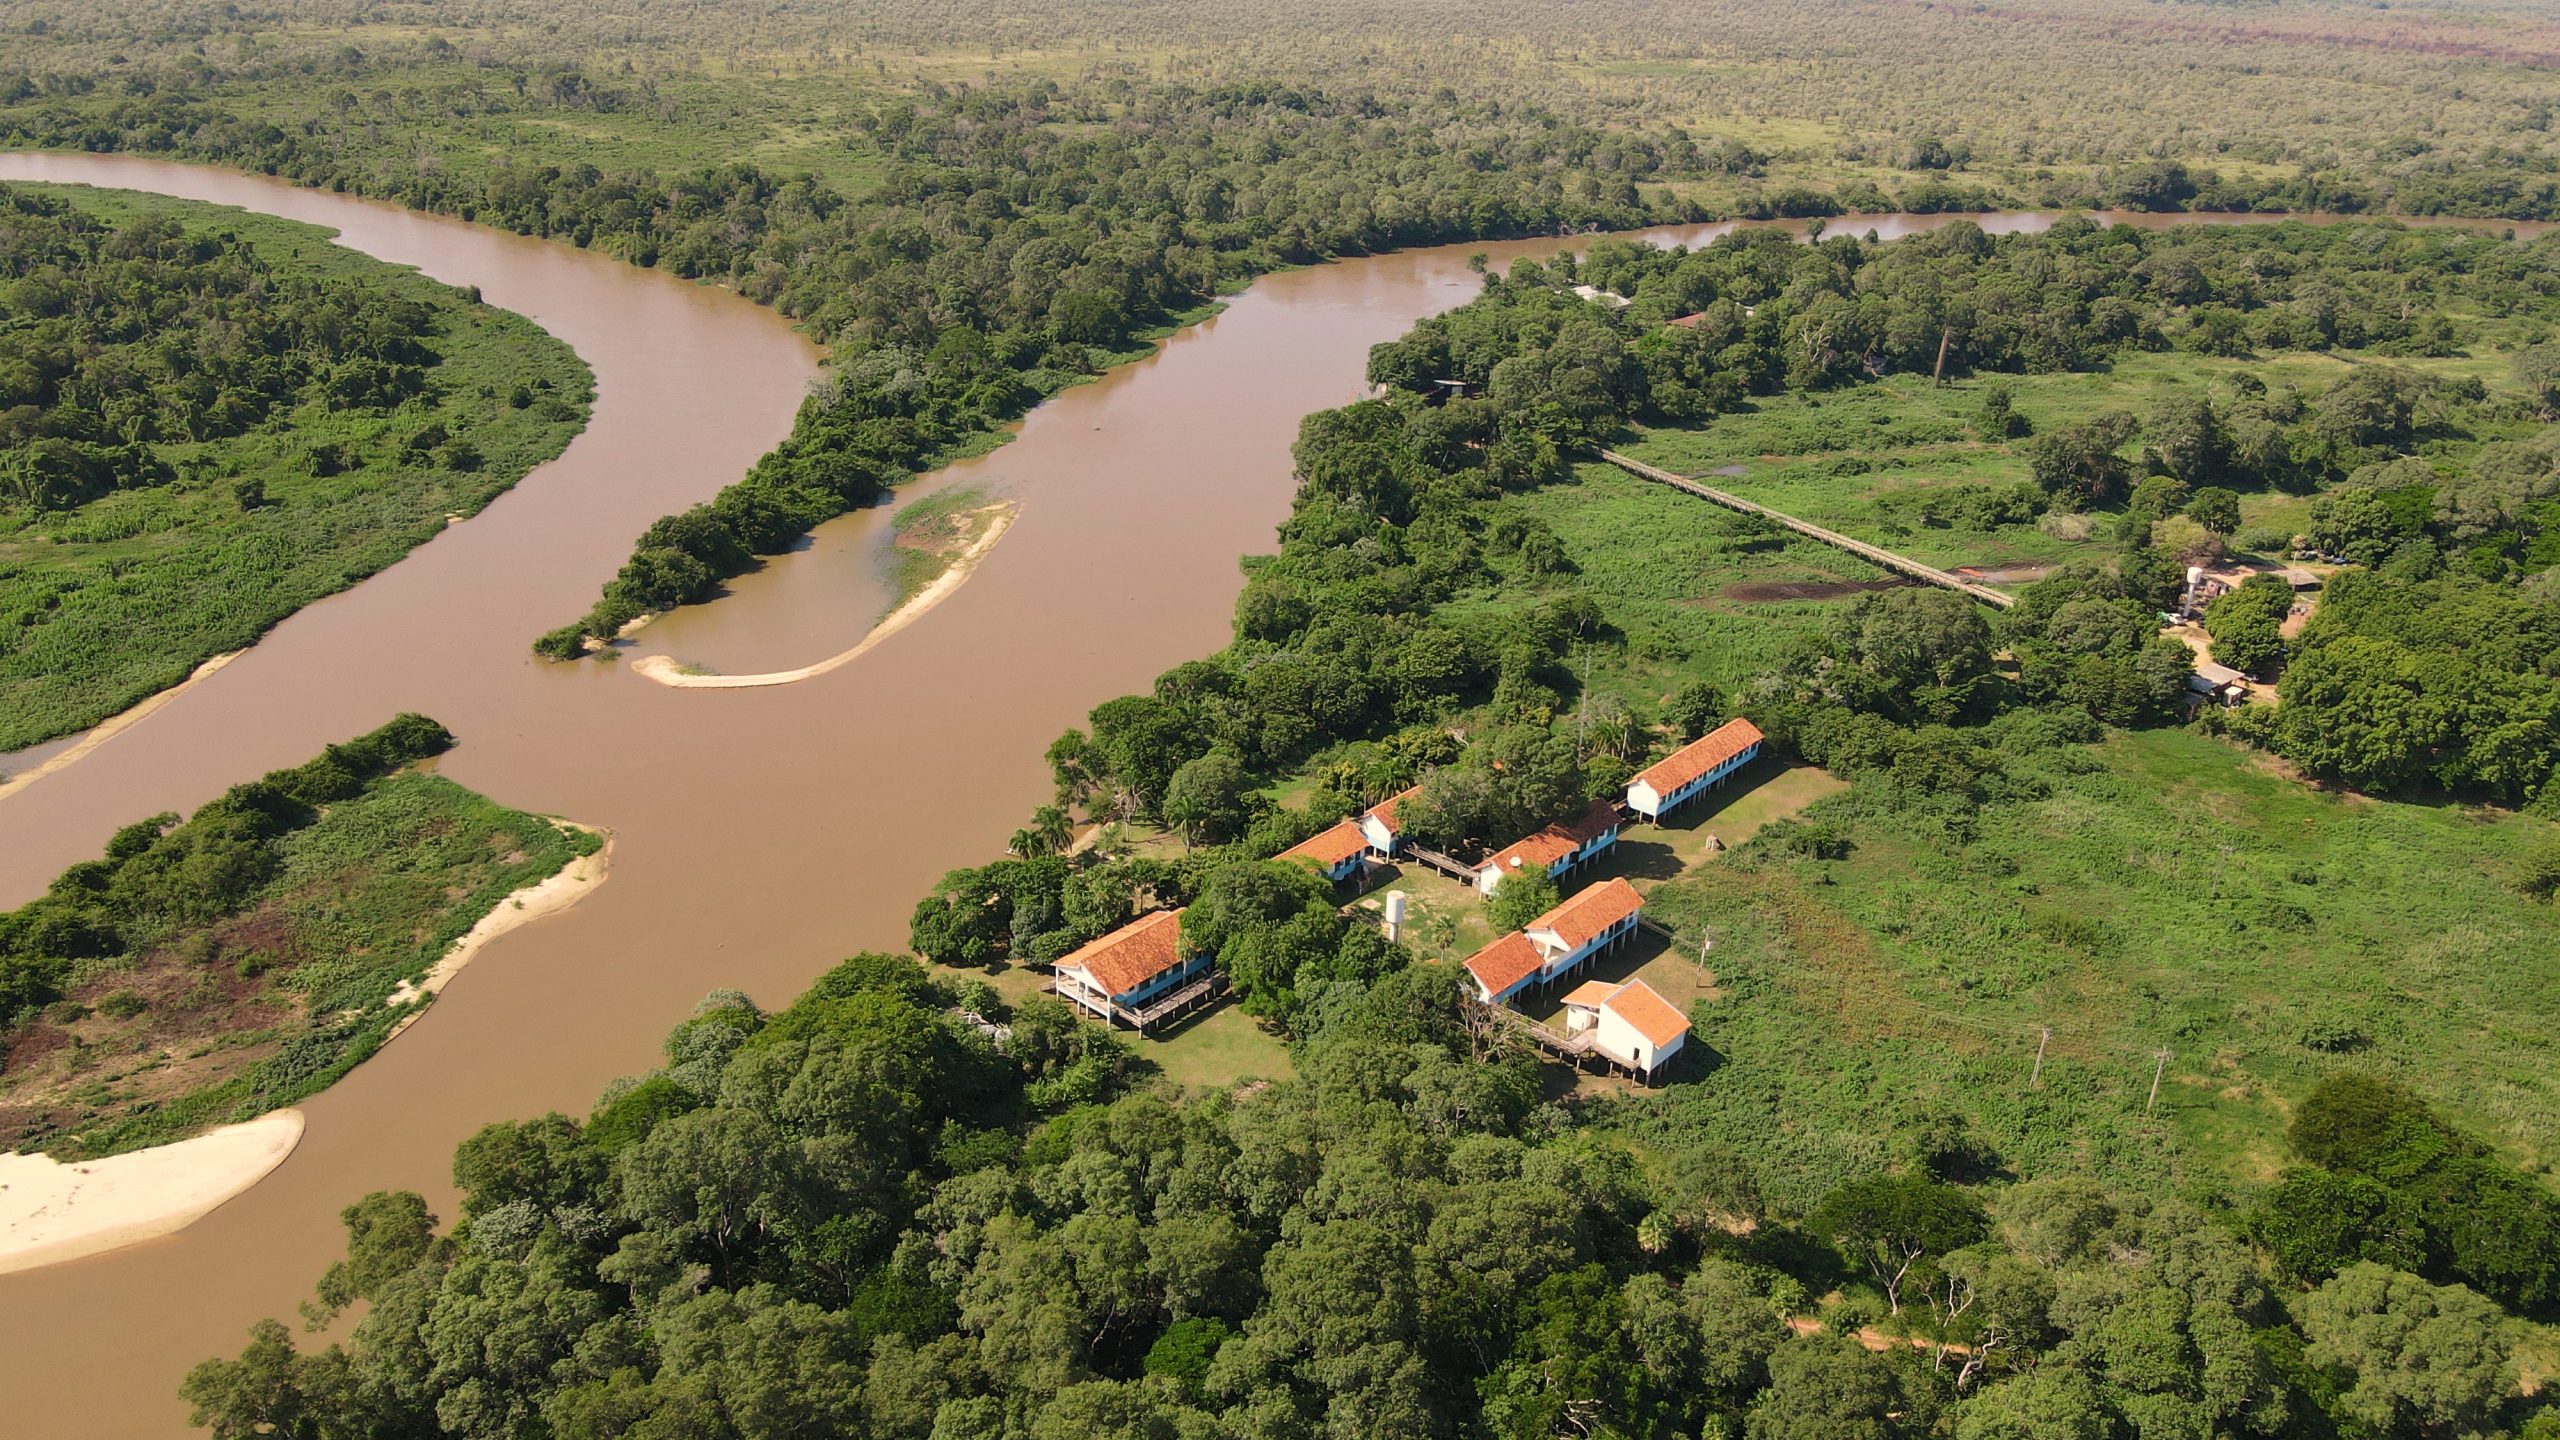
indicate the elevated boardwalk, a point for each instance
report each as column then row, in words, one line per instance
column 1449, row 865
column 1566, row 1047
column 1873, row 554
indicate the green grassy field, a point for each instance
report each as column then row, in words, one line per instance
column 1843, row 459
column 1697, row 592
column 216, row 1023
column 107, row 602
column 2170, row 892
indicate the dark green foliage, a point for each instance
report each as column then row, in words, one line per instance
column 2447, row 682
column 209, row 419
column 2246, row 623
column 2405, row 1188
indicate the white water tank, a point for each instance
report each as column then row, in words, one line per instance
column 1395, row 913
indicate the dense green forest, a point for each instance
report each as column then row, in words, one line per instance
column 209, row 419
column 902, row 1206
column 976, row 209
column 209, row 970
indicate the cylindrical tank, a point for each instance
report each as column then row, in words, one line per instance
column 1395, row 913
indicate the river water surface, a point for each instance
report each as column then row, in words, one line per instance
column 761, row 834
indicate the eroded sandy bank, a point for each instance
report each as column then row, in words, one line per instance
column 51, row 1212
column 667, row 670
column 114, row 725
column 566, row 886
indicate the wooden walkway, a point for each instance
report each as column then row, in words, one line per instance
column 1449, row 865
column 1569, row 1047
column 1872, row 554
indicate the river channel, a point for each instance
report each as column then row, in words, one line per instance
column 760, row 834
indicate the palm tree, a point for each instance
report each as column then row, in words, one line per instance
column 1054, row 826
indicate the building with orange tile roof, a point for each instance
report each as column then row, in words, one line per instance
column 1506, row 967
column 1589, row 921
column 1118, row 974
column 1630, row 1024
column 1379, row 823
column 1336, row 852
column 1693, row 769
column 1557, row 850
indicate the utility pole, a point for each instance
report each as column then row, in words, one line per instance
column 2156, row 1071
column 2044, row 1037
column 1706, row 942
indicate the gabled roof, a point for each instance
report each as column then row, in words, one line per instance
column 1505, row 963
column 1590, row 994
column 1653, row 1017
column 1546, row 847
column 1384, row 812
column 1131, row 955
column 1331, row 847
column 1700, row 756
column 1590, row 913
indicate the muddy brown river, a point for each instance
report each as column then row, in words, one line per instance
column 761, row 834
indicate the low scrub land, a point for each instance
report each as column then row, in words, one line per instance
column 210, row 419
column 210, row 970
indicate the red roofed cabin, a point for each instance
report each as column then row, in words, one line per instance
column 1336, row 853
column 1557, row 943
column 1693, row 769
column 1136, row 973
column 1558, row 850
column 1379, row 825
column 1506, row 967
column 1630, row 1024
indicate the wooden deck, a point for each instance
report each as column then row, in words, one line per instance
column 1164, row 1007
column 1873, row 554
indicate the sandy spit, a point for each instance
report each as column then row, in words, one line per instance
column 565, row 887
column 114, row 725
column 667, row 670
column 51, row 1212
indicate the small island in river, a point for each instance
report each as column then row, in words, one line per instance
column 940, row 540
column 208, row 971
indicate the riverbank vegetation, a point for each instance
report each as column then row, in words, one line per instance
column 2070, row 1072
column 935, row 532
column 209, row 419
column 971, row 216
column 209, row 970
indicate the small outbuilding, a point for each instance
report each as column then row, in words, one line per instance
column 2218, row 683
column 1631, row 1025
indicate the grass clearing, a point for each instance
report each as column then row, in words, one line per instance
column 2169, row 892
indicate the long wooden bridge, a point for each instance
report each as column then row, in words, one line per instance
column 1873, row 554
